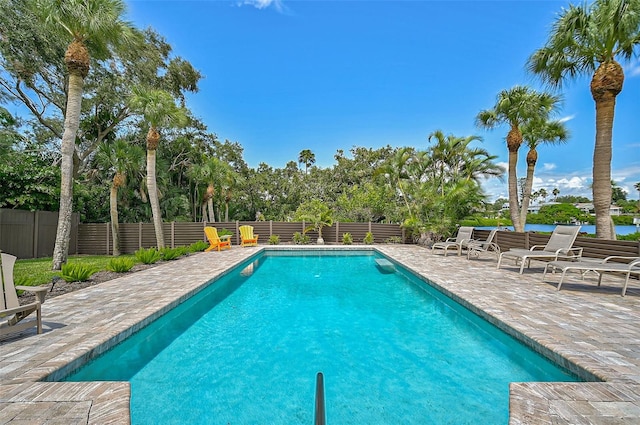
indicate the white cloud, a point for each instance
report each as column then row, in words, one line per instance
column 633, row 69
column 548, row 166
column 567, row 118
column 573, row 183
column 263, row 4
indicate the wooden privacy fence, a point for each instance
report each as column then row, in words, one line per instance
column 97, row 239
column 593, row 248
column 32, row 234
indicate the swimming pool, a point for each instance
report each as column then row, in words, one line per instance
column 392, row 349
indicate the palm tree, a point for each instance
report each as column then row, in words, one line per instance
column 307, row 158
column 516, row 107
column 118, row 159
column 589, row 39
column 533, row 134
column 637, row 187
column 555, row 192
column 453, row 160
column 91, row 26
column 159, row 110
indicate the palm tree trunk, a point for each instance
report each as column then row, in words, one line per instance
column 226, row 211
column 602, row 168
column 115, row 225
column 514, row 210
column 203, row 209
column 526, row 196
column 71, row 124
column 212, row 216
column 153, row 197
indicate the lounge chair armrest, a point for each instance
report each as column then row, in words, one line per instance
column 450, row 240
column 534, row 247
column 19, row 309
column 621, row 257
column 570, row 253
column 39, row 291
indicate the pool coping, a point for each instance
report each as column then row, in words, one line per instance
column 82, row 324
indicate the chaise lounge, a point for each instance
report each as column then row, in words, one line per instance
column 460, row 241
column 559, row 246
column 475, row 246
column 624, row 265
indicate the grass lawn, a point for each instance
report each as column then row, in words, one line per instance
column 37, row 271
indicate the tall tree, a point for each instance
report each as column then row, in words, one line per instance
column 117, row 160
column 307, row 158
column 534, row 133
column 159, row 110
column 515, row 107
column 91, row 26
column 590, row 39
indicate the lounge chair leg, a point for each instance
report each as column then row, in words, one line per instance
column 522, row 265
column 626, row 282
column 561, row 279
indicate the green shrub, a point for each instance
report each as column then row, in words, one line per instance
column 274, row 240
column 224, row 232
column 182, row 250
column 368, row 238
column 393, row 239
column 301, row 238
column 630, row 237
column 169, row 253
column 198, row 246
column 76, row 272
column 120, row 265
column 148, row 256
column 347, row 239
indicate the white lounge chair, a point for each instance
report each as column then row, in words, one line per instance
column 559, row 246
column 475, row 246
column 460, row 241
column 631, row 265
column 11, row 312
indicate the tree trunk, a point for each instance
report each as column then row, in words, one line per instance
column 153, row 197
column 605, row 85
column 115, row 225
column 526, row 196
column 203, row 209
column 514, row 209
column 67, row 148
column 226, row 212
column 212, row 216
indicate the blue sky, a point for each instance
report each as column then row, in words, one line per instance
column 282, row 76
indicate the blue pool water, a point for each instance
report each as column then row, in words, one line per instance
column 392, row 349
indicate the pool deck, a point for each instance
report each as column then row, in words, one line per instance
column 592, row 331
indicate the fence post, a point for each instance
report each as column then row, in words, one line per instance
column 108, row 229
column 140, row 235
column 270, row 228
column 173, row 234
column 36, row 226
column 337, row 231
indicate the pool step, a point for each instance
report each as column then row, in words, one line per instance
column 385, row 266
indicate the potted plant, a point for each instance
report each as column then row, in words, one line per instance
column 318, row 214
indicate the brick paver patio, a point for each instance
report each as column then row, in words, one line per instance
column 592, row 331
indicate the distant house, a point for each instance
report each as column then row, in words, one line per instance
column 588, row 208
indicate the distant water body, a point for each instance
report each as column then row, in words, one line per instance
column 587, row 228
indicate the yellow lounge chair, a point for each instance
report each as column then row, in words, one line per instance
column 247, row 238
column 214, row 239
column 11, row 312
